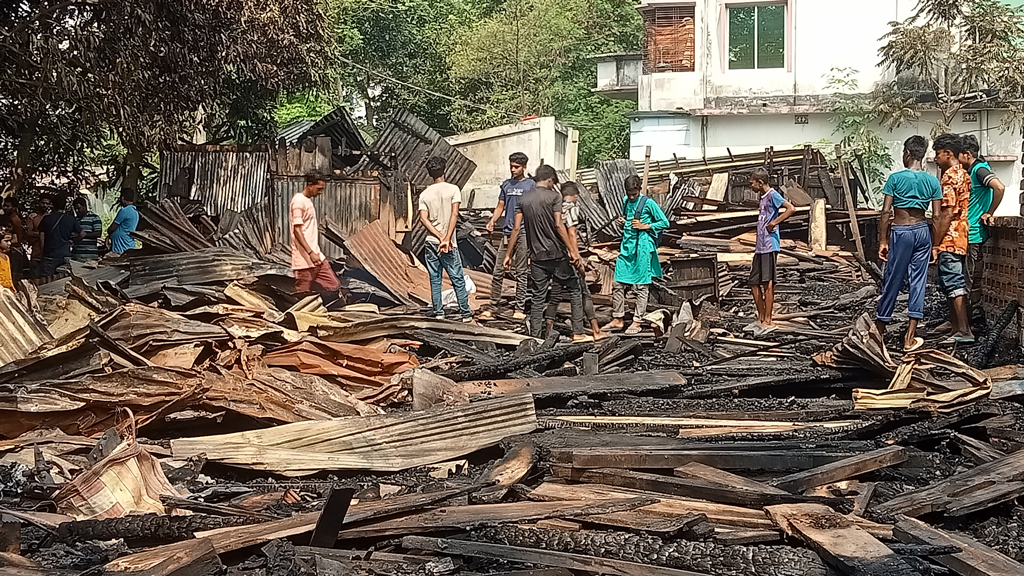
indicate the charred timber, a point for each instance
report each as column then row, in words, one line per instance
column 147, row 528
column 703, row 557
column 499, row 369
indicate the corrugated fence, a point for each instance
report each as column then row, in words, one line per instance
column 351, row 203
column 223, row 179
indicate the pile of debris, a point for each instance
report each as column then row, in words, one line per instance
column 180, row 411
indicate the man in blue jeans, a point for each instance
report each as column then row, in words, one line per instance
column 439, row 212
column 905, row 241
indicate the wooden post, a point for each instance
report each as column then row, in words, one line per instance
column 850, row 207
column 647, row 170
column 817, row 230
column 10, row 535
column 591, row 364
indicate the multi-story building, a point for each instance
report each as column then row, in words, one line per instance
column 720, row 76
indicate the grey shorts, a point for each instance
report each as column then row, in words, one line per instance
column 975, row 268
column 762, row 269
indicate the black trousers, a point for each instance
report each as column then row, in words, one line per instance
column 563, row 274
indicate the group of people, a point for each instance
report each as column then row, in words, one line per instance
column 542, row 230
column 39, row 244
column 962, row 203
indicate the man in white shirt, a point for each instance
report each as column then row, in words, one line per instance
column 308, row 263
column 439, row 212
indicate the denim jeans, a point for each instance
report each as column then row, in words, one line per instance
column 952, row 280
column 452, row 263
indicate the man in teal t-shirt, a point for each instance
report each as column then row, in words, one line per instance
column 986, row 194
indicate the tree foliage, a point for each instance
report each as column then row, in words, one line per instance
column 856, row 122
column 951, row 55
column 76, row 72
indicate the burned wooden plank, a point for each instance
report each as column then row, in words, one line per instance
column 974, row 559
column 951, row 492
column 769, row 460
column 476, row 516
column 187, row 558
column 699, row 471
column 542, row 557
column 683, row 487
column 597, row 384
column 642, row 521
column 511, row 469
column 839, row 541
column 500, row 368
column 325, row 533
column 980, row 452
column 843, row 469
column 666, row 506
column 228, row 539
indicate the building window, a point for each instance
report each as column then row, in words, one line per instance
column 669, row 39
column 757, row 37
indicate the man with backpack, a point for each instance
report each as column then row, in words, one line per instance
column 637, row 265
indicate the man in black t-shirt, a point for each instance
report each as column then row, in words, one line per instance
column 57, row 231
column 551, row 254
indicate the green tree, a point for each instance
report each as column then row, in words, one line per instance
column 951, row 55
column 855, row 121
column 533, row 57
column 142, row 70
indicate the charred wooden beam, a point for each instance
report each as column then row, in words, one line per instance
column 498, row 369
column 701, row 557
column 147, row 528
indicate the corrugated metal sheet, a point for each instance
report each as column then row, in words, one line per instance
column 413, row 143
column 199, row 267
column 350, row 202
column 20, row 332
column 293, row 131
column 611, row 178
column 221, row 179
column 250, row 233
column 340, row 127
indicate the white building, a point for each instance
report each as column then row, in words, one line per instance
column 544, row 141
column 734, row 75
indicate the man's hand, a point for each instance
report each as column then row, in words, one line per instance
column 490, row 225
column 620, row 220
column 445, row 247
column 638, row 225
column 317, row 258
column 574, row 259
column 988, row 219
column 771, row 226
column 507, row 262
column 935, row 254
column 883, row 252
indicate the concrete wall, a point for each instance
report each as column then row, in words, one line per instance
column 695, row 136
column 812, row 51
column 541, row 139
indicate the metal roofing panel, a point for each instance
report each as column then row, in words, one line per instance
column 20, row 332
column 413, row 143
column 221, row 179
column 293, row 131
column 198, row 267
column 340, row 127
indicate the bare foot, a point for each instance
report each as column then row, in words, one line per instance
column 599, row 335
column 577, row 338
column 944, row 328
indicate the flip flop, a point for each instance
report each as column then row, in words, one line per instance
column 610, row 328
column 767, row 330
column 751, row 328
column 580, row 338
column 953, row 340
column 918, row 343
column 634, row 329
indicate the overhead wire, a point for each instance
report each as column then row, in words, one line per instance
column 428, row 91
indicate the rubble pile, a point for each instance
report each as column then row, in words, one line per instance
column 179, row 410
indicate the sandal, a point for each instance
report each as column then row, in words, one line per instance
column 918, row 343
column 751, row 328
column 634, row 328
column 953, row 340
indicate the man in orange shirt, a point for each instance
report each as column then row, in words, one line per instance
column 951, row 233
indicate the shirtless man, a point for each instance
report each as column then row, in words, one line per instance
column 905, row 241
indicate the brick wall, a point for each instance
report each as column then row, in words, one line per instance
column 1003, row 276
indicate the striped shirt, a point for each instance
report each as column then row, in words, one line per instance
column 88, row 248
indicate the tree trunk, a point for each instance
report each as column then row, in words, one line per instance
column 22, row 169
column 371, row 113
column 133, row 168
